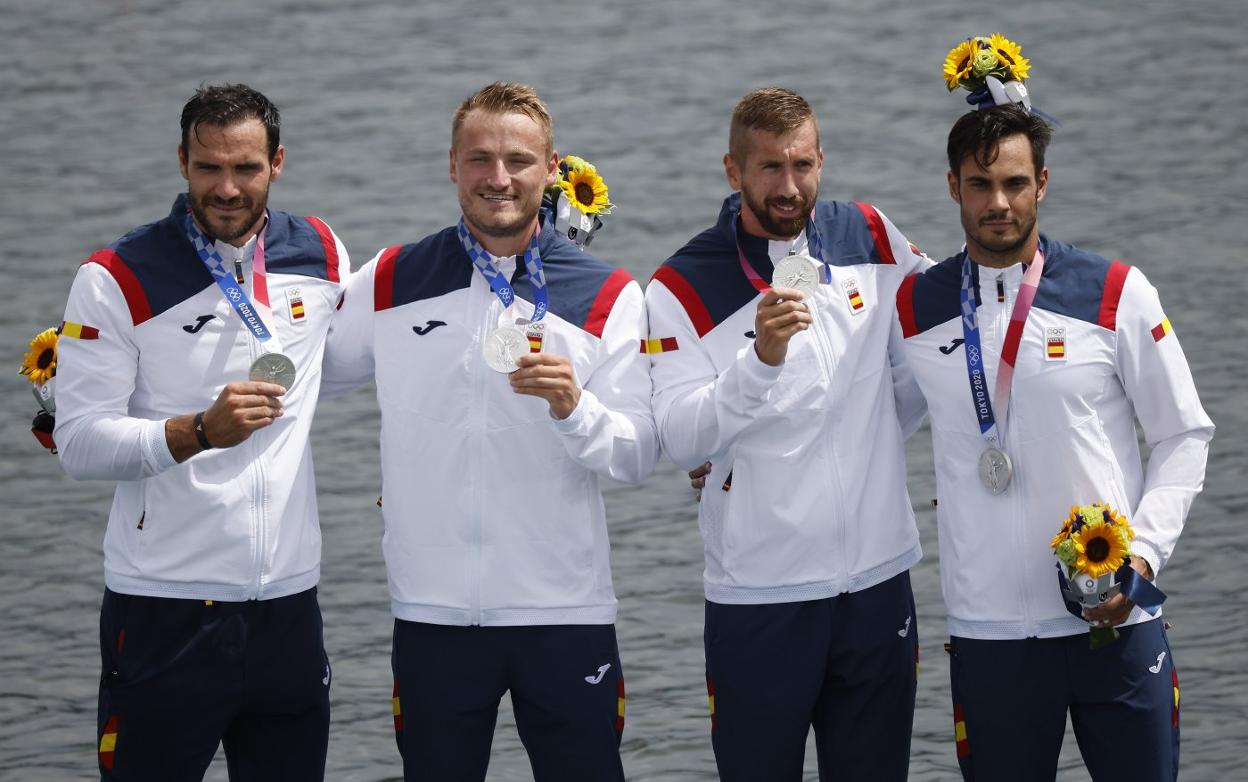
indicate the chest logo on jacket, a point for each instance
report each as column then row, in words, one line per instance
column 193, row 328
column 429, row 326
column 1055, row 343
column 952, row 346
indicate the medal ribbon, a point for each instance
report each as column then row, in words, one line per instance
column 498, row 283
column 247, row 312
column 814, row 243
column 990, row 426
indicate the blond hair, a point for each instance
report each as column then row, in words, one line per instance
column 506, row 98
column 771, row 109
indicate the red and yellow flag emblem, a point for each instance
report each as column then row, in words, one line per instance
column 78, row 331
column 664, row 345
column 1055, row 344
column 1161, row 330
column 108, row 743
column 396, row 708
column 959, row 732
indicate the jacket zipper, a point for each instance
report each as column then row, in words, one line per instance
column 827, row 363
column 1019, row 520
column 476, row 444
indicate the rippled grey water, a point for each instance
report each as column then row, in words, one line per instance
column 1149, row 165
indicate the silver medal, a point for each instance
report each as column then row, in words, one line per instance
column 995, row 470
column 797, row 272
column 273, row 368
column 503, row 347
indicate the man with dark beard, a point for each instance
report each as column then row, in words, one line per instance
column 189, row 370
column 1037, row 358
column 770, row 346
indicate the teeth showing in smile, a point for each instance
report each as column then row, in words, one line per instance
column 498, row 198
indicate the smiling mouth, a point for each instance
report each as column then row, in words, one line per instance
column 498, row 198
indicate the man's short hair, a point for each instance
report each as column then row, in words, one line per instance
column 225, row 104
column 979, row 134
column 773, row 109
column 507, row 98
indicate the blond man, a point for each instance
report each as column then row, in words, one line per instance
column 496, row 542
column 780, row 377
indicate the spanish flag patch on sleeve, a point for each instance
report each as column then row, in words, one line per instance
column 664, row 345
column 1161, row 330
column 78, row 331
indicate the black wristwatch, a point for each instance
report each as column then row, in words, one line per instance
column 199, row 432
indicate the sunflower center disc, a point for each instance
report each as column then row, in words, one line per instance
column 584, row 194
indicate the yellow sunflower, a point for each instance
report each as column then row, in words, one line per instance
column 1011, row 55
column 1102, row 549
column 39, row 363
column 583, row 187
column 958, row 62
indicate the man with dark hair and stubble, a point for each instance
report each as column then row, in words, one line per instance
column 770, row 343
column 188, row 372
column 510, row 383
column 1037, row 359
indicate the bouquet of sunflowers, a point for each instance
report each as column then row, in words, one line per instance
column 578, row 200
column 39, row 367
column 991, row 68
column 1094, row 550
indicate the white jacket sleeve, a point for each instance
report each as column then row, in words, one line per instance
column 348, row 362
column 611, row 430
column 1159, row 384
column 699, row 412
column 95, row 435
column 907, row 396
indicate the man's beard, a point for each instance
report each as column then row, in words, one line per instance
column 1002, row 246
column 785, row 227
column 219, row 230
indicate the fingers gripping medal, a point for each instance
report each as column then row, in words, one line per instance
column 506, row 344
column 797, row 272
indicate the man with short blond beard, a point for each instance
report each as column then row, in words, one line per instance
column 496, row 540
column 773, row 365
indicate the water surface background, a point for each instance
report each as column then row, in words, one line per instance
column 1148, row 166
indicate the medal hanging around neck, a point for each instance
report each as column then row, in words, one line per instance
column 504, row 346
column 799, row 272
column 995, row 467
column 271, row 366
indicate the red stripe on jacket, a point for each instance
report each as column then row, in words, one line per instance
column 331, row 247
column 1114, row 280
column 383, row 280
column 687, row 297
column 878, row 232
column 596, row 320
column 905, row 307
column 136, row 298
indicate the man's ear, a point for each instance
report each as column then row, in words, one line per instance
column 732, row 172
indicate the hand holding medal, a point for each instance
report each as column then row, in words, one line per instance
column 781, row 314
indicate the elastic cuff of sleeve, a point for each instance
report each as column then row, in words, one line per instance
column 576, row 419
column 1148, row 552
column 757, row 377
column 155, row 448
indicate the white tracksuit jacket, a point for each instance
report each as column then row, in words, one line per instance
column 807, row 497
column 492, row 508
column 229, row 524
column 1097, row 353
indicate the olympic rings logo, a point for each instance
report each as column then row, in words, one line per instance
column 235, row 294
column 972, row 353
